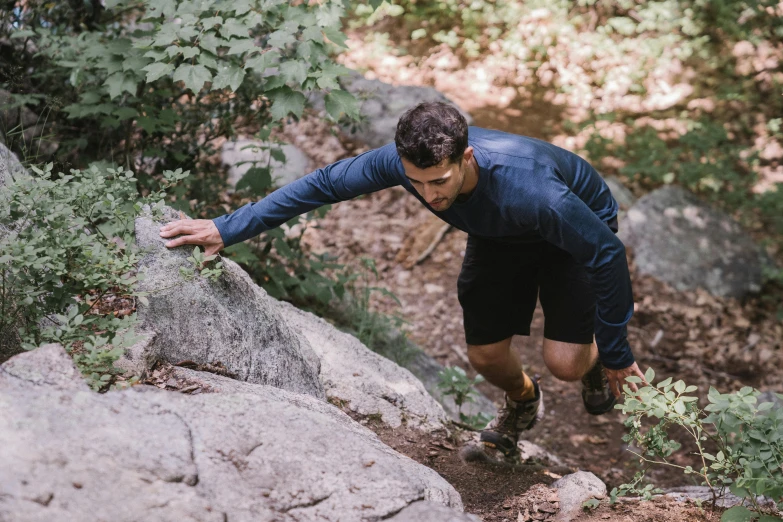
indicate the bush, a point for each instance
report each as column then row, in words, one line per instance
column 748, row 440
column 68, row 251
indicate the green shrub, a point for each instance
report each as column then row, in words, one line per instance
column 748, row 440
column 67, row 251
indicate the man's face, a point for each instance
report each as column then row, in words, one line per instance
column 440, row 184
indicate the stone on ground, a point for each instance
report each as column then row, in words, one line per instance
column 574, row 489
column 363, row 381
column 146, row 454
column 236, row 153
column 232, row 321
column 683, row 241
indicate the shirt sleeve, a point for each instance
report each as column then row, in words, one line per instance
column 368, row 172
column 563, row 219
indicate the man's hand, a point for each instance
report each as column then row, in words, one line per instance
column 617, row 379
column 194, row 232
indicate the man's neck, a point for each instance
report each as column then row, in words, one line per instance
column 471, row 178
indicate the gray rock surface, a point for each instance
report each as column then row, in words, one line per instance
column 432, row 512
column 622, row 195
column 362, row 380
column 426, row 369
column 574, row 489
column 231, row 321
column 681, row 240
column 235, row 153
column 382, row 104
column 145, row 454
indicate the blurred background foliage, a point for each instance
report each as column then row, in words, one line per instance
column 668, row 91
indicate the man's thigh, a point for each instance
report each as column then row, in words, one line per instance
column 567, row 298
column 497, row 288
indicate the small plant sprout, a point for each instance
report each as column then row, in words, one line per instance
column 454, row 381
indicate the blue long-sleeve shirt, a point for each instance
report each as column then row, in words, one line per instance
column 528, row 191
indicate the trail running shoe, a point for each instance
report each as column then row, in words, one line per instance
column 502, row 433
column 596, row 395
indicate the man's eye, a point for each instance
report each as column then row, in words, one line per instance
column 439, row 182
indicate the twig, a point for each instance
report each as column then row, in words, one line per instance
column 437, row 239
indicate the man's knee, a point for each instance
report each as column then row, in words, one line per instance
column 488, row 355
column 567, row 361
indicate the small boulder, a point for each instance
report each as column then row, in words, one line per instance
column 382, row 104
column 574, row 489
column 232, row 321
column 683, row 241
column 239, row 156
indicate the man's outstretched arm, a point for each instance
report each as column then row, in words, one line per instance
column 369, row 172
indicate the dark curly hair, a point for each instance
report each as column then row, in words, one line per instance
column 430, row 132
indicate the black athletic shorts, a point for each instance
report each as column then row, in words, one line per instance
column 499, row 284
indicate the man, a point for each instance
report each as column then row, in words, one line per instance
column 541, row 223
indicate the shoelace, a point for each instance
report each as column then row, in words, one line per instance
column 595, row 378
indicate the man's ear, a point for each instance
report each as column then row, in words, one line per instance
column 468, row 154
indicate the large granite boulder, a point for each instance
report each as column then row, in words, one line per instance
column 381, row 105
column 363, row 381
column 259, row 453
column 241, row 155
column 232, row 321
column 681, row 240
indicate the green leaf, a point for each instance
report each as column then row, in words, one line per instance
column 242, row 46
column 233, row 27
column 257, row 180
column 189, row 52
column 123, row 113
column 336, row 37
column 679, row 386
column 294, row 71
column 281, row 39
column 228, row 75
column 769, row 518
column 375, row 4
column 634, row 379
column 261, row 62
column 119, row 82
column 211, row 42
column 156, row 70
column 286, row 101
column 341, row 102
column 649, row 375
column 194, row 76
column 737, row 514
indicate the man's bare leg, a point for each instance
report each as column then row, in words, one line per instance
column 501, row 366
column 568, row 361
